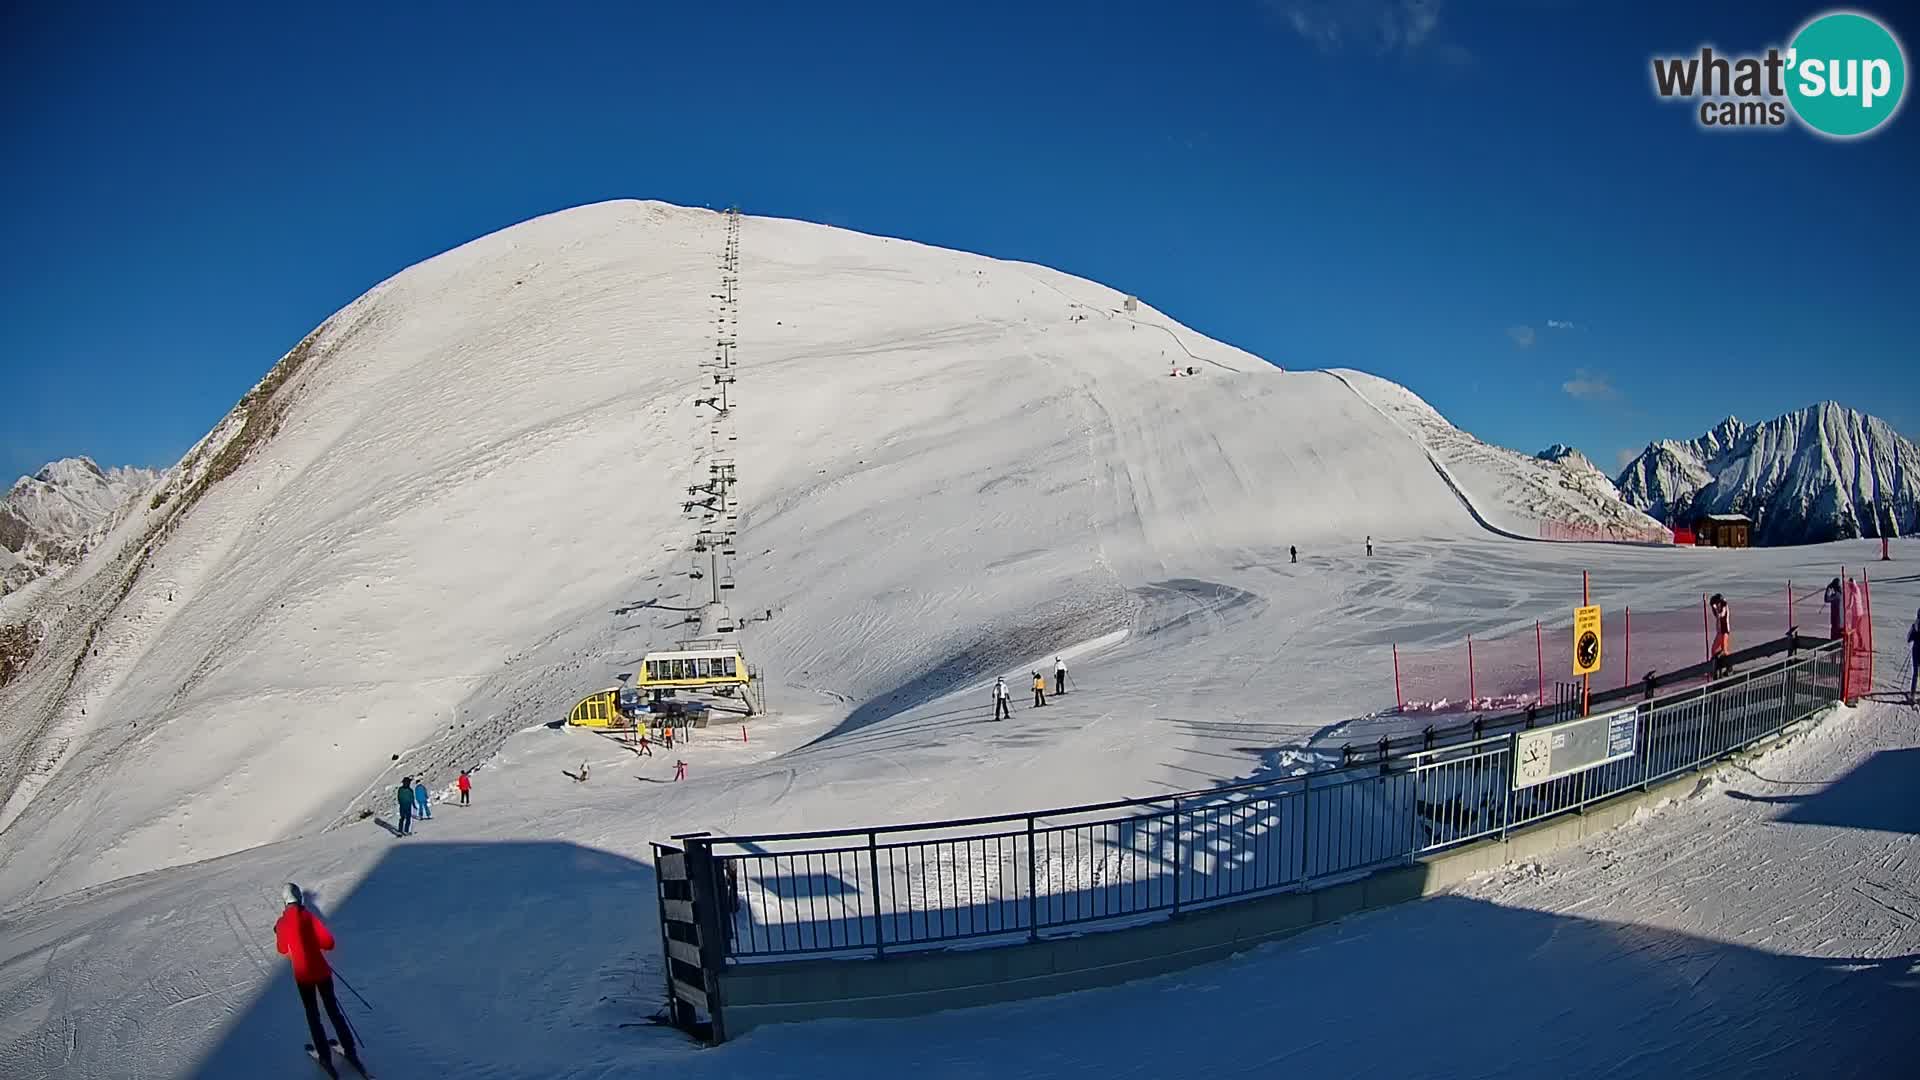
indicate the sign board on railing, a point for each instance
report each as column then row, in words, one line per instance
column 1578, row 745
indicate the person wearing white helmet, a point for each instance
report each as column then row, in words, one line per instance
column 305, row 940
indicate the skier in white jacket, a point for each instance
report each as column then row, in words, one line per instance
column 1001, row 710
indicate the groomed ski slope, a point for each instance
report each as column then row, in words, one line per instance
column 1759, row 928
column 467, row 513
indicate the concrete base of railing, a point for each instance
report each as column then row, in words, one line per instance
column 916, row 983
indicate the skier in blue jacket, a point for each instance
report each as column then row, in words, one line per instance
column 424, row 809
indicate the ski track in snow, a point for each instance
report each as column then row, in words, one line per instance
column 953, row 469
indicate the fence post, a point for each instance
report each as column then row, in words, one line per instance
column 873, row 864
column 1866, row 601
column 1626, row 665
column 1470, row 687
column 1178, row 870
column 1513, row 762
column 1033, row 888
column 1539, row 664
column 703, row 882
column 1399, row 699
column 1793, row 669
column 1306, row 831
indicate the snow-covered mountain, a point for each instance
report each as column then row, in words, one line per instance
column 49, row 520
column 1825, row 472
column 458, row 505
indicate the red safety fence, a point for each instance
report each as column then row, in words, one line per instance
column 1595, row 531
column 1856, row 675
column 1512, row 670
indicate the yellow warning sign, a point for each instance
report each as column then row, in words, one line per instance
column 1586, row 640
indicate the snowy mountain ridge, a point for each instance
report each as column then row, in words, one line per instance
column 1519, row 493
column 50, row 520
column 1825, row 472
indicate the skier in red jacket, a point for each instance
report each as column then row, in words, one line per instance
column 304, row 939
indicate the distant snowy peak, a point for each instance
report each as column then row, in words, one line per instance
column 1720, row 441
column 1567, row 457
column 1663, row 479
column 49, row 520
column 1825, row 472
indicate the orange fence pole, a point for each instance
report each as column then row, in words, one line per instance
column 1866, row 601
column 1470, row 697
column 1399, row 699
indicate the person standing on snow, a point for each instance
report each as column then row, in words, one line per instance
column 1913, row 658
column 1039, row 690
column 406, row 804
column 304, row 940
column 1001, row 709
column 1369, row 547
column 1722, row 635
column 1293, row 553
column 1835, row 609
column 422, row 808
column 465, row 785
column 1059, row 676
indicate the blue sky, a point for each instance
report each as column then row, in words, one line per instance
column 1421, row 189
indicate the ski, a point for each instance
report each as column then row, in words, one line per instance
column 324, row 1067
column 359, row 1066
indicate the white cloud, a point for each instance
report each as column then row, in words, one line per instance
column 1522, row 336
column 1588, row 386
column 1560, row 324
column 1379, row 26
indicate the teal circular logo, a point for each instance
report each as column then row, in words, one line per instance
column 1846, row 74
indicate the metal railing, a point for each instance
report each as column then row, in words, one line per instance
column 1017, row 877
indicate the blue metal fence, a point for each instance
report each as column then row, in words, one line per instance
column 1017, row 877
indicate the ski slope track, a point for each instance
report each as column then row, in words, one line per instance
column 456, row 507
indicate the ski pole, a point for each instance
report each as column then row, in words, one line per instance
column 351, row 990
column 358, row 1040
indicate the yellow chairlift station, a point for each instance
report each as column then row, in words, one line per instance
column 600, row 709
column 719, row 669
